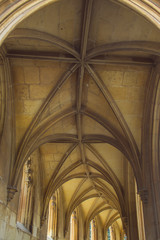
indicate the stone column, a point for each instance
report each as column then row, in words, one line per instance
column 140, row 216
column 52, row 220
column 150, row 156
column 80, row 224
column 131, row 222
column 73, row 226
column 61, row 215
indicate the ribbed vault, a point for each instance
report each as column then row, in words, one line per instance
column 79, row 79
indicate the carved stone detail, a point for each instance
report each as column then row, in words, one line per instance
column 43, row 219
column 28, row 172
column 143, row 195
column 125, row 222
column 11, row 192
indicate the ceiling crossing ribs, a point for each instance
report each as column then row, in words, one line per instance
column 95, row 213
column 84, row 40
column 92, row 165
column 41, row 56
column 37, row 123
column 86, row 25
column 76, row 192
column 79, row 100
column 101, row 60
column 78, row 199
column 44, row 37
column 120, row 118
column 9, row 19
column 118, row 60
column 49, row 189
column 35, row 140
column 135, row 46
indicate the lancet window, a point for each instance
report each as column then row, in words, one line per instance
column 125, row 237
column 111, row 233
column 92, row 230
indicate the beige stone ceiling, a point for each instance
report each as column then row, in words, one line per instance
column 80, row 70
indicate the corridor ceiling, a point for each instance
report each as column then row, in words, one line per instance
column 80, row 70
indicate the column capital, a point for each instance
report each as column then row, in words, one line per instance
column 28, row 172
column 53, row 199
column 125, row 221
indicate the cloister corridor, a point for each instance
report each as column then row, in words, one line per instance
column 79, row 119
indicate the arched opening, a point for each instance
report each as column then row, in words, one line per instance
column 92, row 230
column 110, row 233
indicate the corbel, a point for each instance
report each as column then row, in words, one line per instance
column 10, row 193
column 143, row 193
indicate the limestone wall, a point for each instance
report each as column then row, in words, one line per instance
column 8, row 226
column 10, row 229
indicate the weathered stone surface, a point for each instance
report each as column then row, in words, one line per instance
column 31, row 75
column 130, row 79
column 48, row 75
column 2, row 229
column 39, row 91
column 18, row 75
column 31, row 107
column 21, row 92
column 113, row 77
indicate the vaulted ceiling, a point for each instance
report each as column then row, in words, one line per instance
column 80, row 71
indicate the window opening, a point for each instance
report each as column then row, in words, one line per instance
column 92, row 230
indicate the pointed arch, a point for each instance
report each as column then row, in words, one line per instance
column 19, row 10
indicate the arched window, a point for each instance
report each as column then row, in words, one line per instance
column 108, row 234
column 92, row 230
column 25, row 209
column 111, row 233
column 52, row 218
column 125, row 237
column 73, row 226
